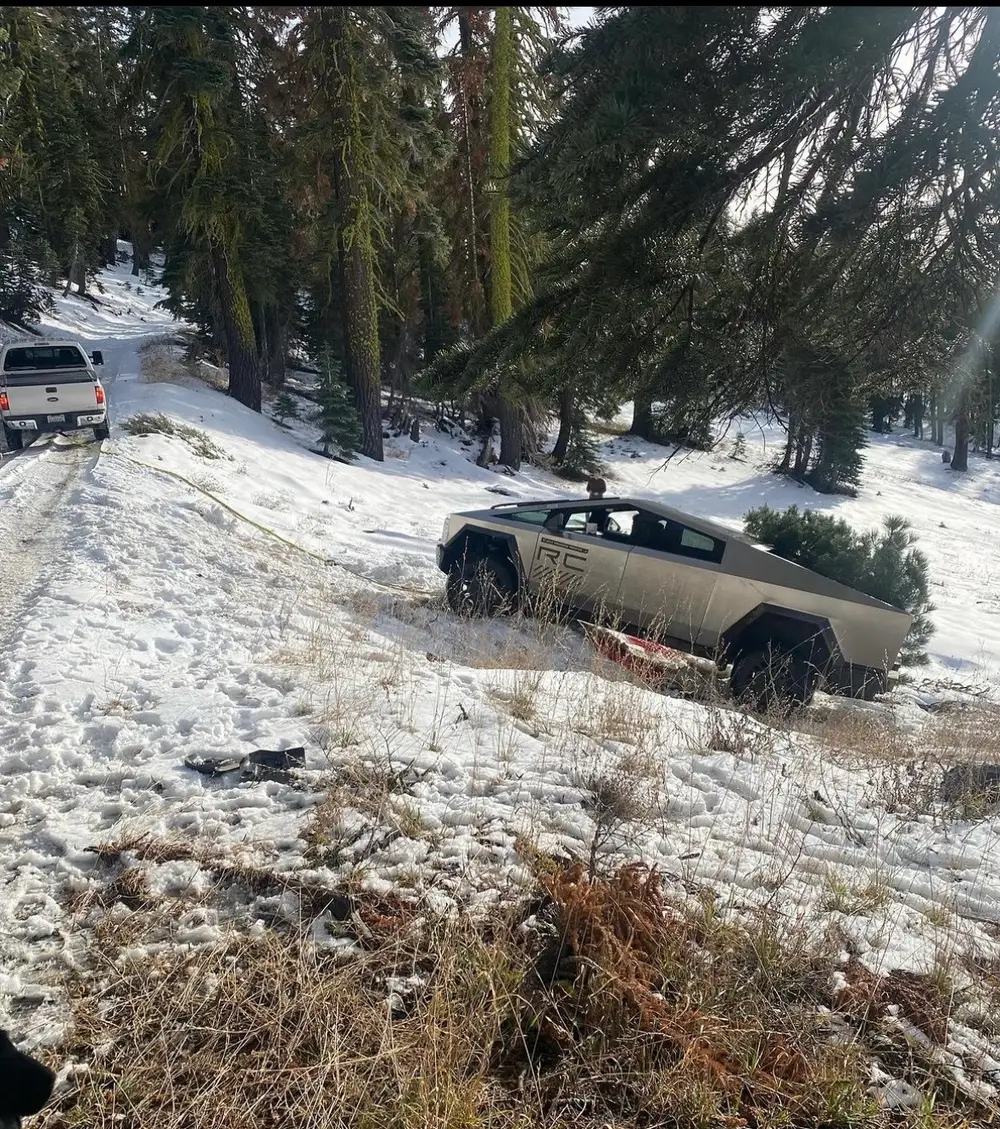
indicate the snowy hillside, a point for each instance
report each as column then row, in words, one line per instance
column 223, row 589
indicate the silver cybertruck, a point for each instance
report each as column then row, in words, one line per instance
column 778, row 629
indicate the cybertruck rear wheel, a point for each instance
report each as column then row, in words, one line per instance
column 773, row 679
column 482, row 586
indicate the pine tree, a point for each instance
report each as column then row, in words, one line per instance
column 884, row 563
column 680, row 220
column 338, row 421
column 59, row 187
column 285, row 407
column 23, row 295
column 582, row 456
column 501, row 296
column 497, row 97
column 200, row 162
column 841, row 437
column 356, row 71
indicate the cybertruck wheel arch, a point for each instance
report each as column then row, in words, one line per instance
column 772, row 622
column 470, row 542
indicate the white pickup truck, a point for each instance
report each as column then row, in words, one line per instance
column 50, row 386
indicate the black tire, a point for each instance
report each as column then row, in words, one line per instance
column 772, row 679
column 102, row 431
column 483, row 586
column 15, row 438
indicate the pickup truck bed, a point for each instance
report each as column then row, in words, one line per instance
column 51, row 386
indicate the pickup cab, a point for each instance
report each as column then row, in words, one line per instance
column 50, row 386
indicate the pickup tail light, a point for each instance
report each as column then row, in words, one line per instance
column 4, row 402
column 99, row 391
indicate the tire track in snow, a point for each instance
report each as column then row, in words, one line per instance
column 33, row 491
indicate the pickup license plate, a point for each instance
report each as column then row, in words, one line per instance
column 56, row 419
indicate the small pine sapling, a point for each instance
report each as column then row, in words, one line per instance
column 339, row 425
column 285, row 407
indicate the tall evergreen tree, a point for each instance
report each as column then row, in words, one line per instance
column 200, row 162
column 60, row 182
column 358, row 69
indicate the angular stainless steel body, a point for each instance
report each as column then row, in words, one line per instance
column 675, row 576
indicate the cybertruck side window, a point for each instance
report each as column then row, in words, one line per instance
column 529, row 517
column 649, row 531
column 604, row 521
column 700, row 545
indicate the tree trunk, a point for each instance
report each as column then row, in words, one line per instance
column 565, row 424
column 918, row 417
column 237, row 327
column 510, row 433
column 501, row 286
column 642, row 416
column 257, row 319
column 75, row 272
column 361, row 315
column 110, row 251
column 355, row 250
column 937, row 420
column 433, row 319
column 476, row 257
column 140, row 253
column 960, row 455
column 803, row 450
column 878, row 416
column 786, row 458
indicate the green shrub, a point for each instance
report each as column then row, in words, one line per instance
column 23, row 295
column 146, row 423
column 883, row 563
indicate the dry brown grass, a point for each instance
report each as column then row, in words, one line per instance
column 366, row 805
column 621, row 799
column 127, row 882
column 146, row 423
column 168, row 360
column 619, row 712
column 964, row 732
column 856, row 736
column 722, row 728
column 602, row 1003
column 519, row 694
column 161, row 362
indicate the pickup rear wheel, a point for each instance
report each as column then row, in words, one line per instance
column 483, row 586
column 102, row 431
column 15, row 438
column 772, row 678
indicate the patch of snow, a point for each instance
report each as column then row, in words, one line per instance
column 167, row 604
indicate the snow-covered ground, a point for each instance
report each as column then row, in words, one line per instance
column 151, row 615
